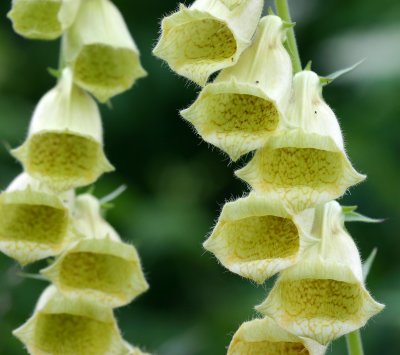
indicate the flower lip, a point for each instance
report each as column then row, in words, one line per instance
column 257, row 237
column 64, row 147
column 244, row 106
column 323, row 296
column 264, row 336
column 206, row 37
column 304, row 161
column 34, row 221
column 101, row 51
column 42, row 19
column 63, row 325
column 99, row 266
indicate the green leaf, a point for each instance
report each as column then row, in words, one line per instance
column 350, row 215
column 368, row 263
column 325, row 80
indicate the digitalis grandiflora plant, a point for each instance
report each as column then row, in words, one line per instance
column 264, row 102
column 93, row 270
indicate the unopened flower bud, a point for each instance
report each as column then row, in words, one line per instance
column 208, row 36
column 101, row 51
column 256, row 237
column 305, row 163
column 243, row 106
column 64, row 148
column 34, row 221
column 62, row 325
column 264, row 336
column 43, row 19
column 99, row 267
column 323, row 296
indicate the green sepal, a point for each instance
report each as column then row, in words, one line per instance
column 271, row 11
column 288, row 24
column 56, row 73
column 350, row 215
column 368, row 263
column 308, row 65
column 325, row 80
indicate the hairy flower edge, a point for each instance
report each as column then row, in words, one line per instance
column 206, row 37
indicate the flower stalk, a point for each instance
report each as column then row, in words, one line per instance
column 282, row 9
column 93, row 270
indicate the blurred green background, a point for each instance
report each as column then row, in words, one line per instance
column 177, row 183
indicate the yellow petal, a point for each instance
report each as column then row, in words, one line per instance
column 243, row 106
column 304, row 163
column 61, row 325
column 256, row 237
column 323, row 296
column 264, row 336
column 208, row 36
column 34, row 221
column 42, row 19
column 101, row 51
column 64, row 148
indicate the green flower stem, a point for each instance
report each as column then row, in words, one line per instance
column 282, row 9
column 354, row 343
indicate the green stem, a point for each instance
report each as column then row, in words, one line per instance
column 282, row 9
column 354, row 343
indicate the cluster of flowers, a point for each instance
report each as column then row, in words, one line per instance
column 41, row 216
column 289, row 223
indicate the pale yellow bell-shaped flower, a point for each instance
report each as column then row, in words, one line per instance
column 34, row 221
column 264, row 336
column 207, row 36
column 43, row 19
column 256, row 237
column 62, row 325
column 99, row 267
column 243, row 106
column 64, row 148
column 305, row 163
column 101, row 51
column 323, row 296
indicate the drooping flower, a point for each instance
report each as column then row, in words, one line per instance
column 207, row 36
column 323, row 296
column 62, row 325
column 244, row 105
column 305, row 163
column 256, row 237
column 34, row 221
column 264, row 336
column 99, row 267
column 64, row 148
column 43, row 19
column 101, row 51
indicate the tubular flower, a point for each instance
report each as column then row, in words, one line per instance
column 208, row 36
column 99, row 267
column 101, row 51
column 34, row 221
column 323, row 296
column 256, row 237
column 64, row 148
column 305, row 164
column 62, row 325
column 264, row 336
column 240, row 109
column 43, row 19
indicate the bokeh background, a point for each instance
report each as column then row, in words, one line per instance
column 177, row 184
